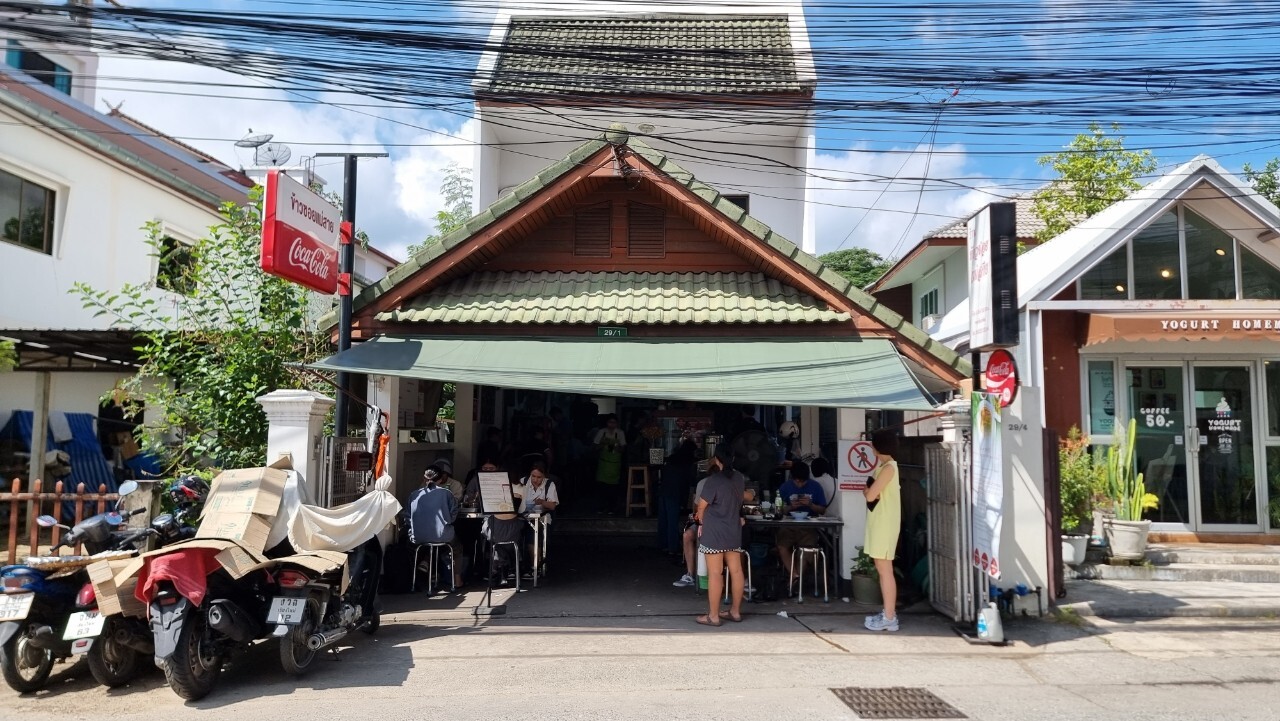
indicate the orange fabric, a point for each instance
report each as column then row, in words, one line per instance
column 383, row 440
column 188, row 569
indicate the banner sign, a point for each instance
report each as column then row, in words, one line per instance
column 300, row 234
column 993, row 278
column 857, row 461
column 988, row 482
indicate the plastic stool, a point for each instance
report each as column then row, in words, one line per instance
column 642, row 485
column 748, row 594
column 805, row 554
column 493, row 558
column 433, row 558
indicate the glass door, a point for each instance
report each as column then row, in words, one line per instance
column 1156, row 399
column 1223, row 454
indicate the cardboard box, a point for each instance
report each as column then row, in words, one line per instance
column 112, row 598
column 242, row 505
column 249, row 529
column 235, row 558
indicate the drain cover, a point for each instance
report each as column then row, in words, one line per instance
column 895, row 703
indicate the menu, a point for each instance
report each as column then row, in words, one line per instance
column 495, row 493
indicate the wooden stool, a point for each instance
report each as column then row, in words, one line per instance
column 638, row 480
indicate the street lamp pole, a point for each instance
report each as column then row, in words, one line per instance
column 346, row 266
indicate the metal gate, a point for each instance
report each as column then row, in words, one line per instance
column 339, row 486
column 950, row 509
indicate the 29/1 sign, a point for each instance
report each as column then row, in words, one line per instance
column 611, row 332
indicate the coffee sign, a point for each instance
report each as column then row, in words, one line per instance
column 300, row 234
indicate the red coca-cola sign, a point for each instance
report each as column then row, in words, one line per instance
column 1001, row 376
column 300, row 234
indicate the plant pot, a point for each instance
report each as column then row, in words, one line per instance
column 866, row 590
column 1100, row 519
column 1073, row 549
column 1127, row 539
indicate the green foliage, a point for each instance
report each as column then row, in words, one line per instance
column 864, row 565
column 456, row 189
column 1125, row 489
column 1093, row 171
column 1265, row 181
column 335, row 199
column 8, row 356
column 1081, row 479
column 860, row 266
column 207, row 355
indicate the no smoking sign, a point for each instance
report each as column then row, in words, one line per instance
column 857, row 461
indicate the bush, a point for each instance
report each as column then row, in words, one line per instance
column 1081, row 480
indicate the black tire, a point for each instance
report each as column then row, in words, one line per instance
column 25, row 668
column 372, row 623
column 112, row 663
column 193, row 670
column 295, row 657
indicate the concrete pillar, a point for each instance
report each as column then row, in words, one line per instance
column 384, row 392
column 296, row 426
column 810, row 437
column 40, row 429
column 851, row 423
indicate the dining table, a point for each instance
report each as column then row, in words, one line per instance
column 830, row 534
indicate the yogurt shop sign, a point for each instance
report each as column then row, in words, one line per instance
column 300, row 234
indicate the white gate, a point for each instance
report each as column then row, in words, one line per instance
column 339, row 486
column 951, row 576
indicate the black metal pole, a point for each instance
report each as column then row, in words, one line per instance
column 346, row 266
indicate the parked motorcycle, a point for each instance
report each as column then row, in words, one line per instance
column 39, row 621
column 313, row 612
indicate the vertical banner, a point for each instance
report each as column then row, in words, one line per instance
column 988, row 482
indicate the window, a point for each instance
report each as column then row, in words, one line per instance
column 742, row 201
column 1102, row 398
column 39, row 67
column 175, row 269
column 646, row 231
column 591, row 238
column 1181, row 242
column 929, row 304
column 928, row 296
column 26, row 213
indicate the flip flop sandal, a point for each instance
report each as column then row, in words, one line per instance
column 735, row 620
column 706, row 621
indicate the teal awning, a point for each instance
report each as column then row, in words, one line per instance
column 844, row 373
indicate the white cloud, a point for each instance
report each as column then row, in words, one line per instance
column 890, row 222
column 397, row 196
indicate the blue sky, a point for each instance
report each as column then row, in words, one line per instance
column 960, row 153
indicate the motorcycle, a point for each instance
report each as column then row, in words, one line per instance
column 39, row 621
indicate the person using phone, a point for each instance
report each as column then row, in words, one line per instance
column 884, row 522
column 799, row 493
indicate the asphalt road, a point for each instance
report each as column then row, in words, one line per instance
column 443, row 665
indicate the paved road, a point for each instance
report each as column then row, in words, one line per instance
column 439, row 665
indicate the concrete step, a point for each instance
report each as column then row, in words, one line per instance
column 1157, row 599
column 1214, row 555
column 1181, row 572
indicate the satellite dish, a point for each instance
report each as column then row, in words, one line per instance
column 253, row 141
column 272, row 154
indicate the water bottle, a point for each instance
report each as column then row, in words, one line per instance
column 990, row 629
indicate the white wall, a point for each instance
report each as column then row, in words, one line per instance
column 82, row 62
column 98, row 238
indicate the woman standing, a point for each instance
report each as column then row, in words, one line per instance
column 609, row 442
column 884, row 520
column 719, row 510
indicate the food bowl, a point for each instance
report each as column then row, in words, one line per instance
column 800, row 515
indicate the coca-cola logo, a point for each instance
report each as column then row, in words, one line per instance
column 1001, row 376
column 313, row 259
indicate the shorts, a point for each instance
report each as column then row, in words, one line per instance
column 797, row 537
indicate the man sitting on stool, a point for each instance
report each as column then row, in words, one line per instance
column 799, row 493
column 432, row 511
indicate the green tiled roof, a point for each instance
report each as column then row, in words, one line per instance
column 607, row 298
column 646, row 54
column 618, row 136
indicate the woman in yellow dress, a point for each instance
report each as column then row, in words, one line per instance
column 884, row 520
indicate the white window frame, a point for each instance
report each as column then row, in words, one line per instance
column 60, row 190
column 180, row 235
column 930, row 282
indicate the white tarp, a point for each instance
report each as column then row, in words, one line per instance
column 313, row 528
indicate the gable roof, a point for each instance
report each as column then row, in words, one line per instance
column 149, row 153
column 410, row 279
column 1043, row 271
column 654, row 54
column 1027, row 223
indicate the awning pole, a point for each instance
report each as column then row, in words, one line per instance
column 40, row 427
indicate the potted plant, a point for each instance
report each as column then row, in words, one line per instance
column 865, row 580
column 1127, row 494
column 1080, row 481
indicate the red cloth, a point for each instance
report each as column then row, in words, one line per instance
column 188, row 569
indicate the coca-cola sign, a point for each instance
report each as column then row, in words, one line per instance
column 1001, row 376
column 299, row 234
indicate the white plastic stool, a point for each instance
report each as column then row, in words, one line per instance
column 493, row 559
column 805, row 553
column 746, row 560
column 433, row 559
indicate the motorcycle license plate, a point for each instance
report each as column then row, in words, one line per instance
column 287, row 611
column 81, row 646
column 15, row 606
column 87, row 624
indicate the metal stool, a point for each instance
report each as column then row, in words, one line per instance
column 806, row 553
column 750, row 590
column 640, row 484
column 433, row 558
column 493, row 558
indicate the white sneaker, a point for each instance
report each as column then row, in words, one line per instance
column 685, row 581
column 880, row 623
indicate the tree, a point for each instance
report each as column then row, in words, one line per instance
column 860, row 265
column 209, row 353
column 8, row 356
column 1265, row 181
column 1094, row 171
column 456, row 190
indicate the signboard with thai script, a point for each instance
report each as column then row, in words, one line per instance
column 988, row 482
column 300, row 234
column 993, row 278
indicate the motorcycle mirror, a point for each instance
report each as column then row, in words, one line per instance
column 114, row 518
column 127, row 487
column 46, row 521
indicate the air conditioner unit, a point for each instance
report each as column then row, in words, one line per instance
column 929, row 322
